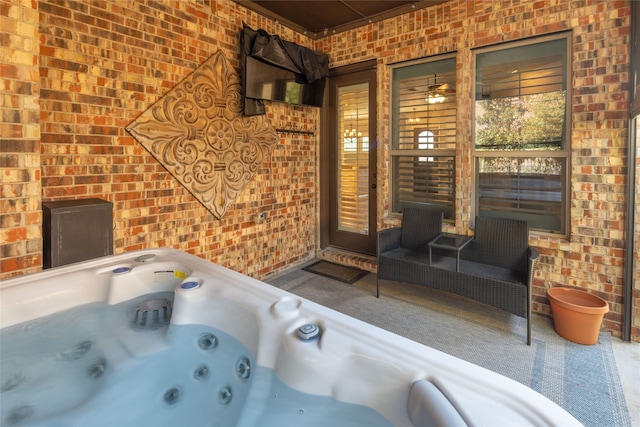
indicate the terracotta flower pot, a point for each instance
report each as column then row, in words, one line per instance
column 577, row 315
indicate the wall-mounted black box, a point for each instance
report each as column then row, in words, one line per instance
column 76, row 230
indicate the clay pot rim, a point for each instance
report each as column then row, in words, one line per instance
column 555, row 296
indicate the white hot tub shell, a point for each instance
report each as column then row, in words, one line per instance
column 354, row 362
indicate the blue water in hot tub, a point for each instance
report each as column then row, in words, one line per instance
column 94, row 366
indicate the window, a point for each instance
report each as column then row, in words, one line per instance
column 521, row 132
column 423, row 96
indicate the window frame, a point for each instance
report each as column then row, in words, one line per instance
column 564, row 153
column 418, row 154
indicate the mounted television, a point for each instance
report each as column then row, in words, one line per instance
column 265, row 81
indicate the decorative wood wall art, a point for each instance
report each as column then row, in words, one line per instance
column 197, row 131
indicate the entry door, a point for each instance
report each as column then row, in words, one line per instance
column 349, row 154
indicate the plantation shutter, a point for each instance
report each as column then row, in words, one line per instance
column 423, row 148
column 353, row 167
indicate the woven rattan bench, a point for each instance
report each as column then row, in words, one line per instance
column 495, row 268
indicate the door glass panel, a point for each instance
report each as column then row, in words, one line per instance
column 353, row 159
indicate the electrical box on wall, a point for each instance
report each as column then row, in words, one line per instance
column 76, row 230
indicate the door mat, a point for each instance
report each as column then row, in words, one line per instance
column 334, row 271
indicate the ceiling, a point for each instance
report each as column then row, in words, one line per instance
column 317, row 19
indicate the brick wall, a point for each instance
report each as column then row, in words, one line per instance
column 20, row 214
column 593, row 257
column 102, row 63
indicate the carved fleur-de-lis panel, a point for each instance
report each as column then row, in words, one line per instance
column 197, row 131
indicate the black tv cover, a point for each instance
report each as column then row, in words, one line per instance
column 308, row 65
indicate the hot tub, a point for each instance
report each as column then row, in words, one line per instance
column 161, row 337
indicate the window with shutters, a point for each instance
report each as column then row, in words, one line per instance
column 423, row 110
column 521, row 131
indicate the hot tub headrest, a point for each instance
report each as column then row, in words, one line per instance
column 427, row 406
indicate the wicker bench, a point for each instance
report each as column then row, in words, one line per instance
column 495, row 268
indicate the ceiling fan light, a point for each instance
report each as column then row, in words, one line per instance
column 434, row 98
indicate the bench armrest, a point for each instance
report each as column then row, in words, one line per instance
column 389, row 239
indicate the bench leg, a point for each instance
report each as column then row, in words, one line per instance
column 529, row 320
column 377, row 287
